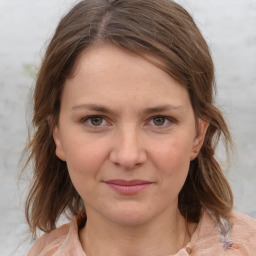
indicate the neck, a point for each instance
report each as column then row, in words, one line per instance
column 162, row 236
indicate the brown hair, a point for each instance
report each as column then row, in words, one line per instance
column 162, row 29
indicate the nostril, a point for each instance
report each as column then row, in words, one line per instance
column 127, row 148
column 128, row 160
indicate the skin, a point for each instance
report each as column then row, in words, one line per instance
column 143, row 128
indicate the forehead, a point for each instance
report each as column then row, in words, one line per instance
column 101, row 56
column 108, row 72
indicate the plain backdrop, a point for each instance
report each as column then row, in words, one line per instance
column 25, row 28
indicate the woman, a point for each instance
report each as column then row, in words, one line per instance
column 125, row 135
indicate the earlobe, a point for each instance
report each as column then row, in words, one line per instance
column 199, row 139
column 59, row 149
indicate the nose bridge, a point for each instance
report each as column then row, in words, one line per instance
column 128, row 150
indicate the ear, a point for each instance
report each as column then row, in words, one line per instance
column 59, row 148
column 199, row 139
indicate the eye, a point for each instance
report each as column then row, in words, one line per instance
column 159, row 120
column 94, row 121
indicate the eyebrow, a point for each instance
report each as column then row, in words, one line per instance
column 162, row 108
column 95, row 107
column 104, row 109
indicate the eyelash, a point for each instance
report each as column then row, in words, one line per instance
column 168, row 120
column 88, row 119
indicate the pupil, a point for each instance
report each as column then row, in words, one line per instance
column 96, row 121
column 159, row 121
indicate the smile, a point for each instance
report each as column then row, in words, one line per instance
column 128, row 187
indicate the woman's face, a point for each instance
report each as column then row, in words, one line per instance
column 127, row 133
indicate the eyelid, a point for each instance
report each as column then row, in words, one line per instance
column 171, row 121
column 163, row 116
column 86, row 118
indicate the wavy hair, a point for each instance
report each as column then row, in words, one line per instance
column 162, row 29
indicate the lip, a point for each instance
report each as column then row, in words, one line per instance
column 128, row 187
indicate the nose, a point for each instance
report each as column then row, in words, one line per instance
column 128, row 150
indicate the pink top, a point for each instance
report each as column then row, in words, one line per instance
column 64, row 241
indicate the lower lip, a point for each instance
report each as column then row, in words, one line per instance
column 129, row 190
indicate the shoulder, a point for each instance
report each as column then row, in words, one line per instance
column 243, row 233
column 241, row 221
column 207, row 239
column 49, row 242
column 61, row 241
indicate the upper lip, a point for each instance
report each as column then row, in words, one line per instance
column 128, row 182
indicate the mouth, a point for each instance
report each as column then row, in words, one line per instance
column 128, row 187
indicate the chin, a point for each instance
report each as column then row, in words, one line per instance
column 130, row 215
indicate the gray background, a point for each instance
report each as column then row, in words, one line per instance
column 25, row 28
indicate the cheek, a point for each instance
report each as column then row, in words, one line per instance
column 172, row 160
column 84, row 160
column 173, row 152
